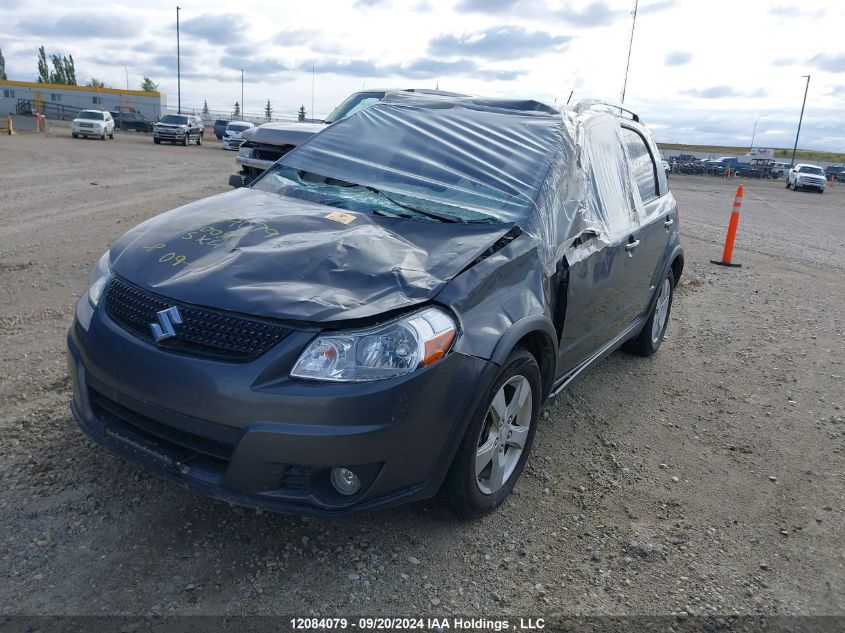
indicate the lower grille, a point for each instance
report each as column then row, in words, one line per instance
column 166, row 443
column 202, row 332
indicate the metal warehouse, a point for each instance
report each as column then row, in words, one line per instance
column 58, row 101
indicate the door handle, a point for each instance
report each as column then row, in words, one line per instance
column 669, row 222
column 632, row 245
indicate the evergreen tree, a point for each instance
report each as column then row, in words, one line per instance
column 301, row 114
column 148, row 85
column 2, row 67
column 268, row 110
column 95, row 83
column 70, row 70
column 237, row 111
column 205, row 106
column 43, row 69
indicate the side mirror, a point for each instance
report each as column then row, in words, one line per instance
column 236, row 180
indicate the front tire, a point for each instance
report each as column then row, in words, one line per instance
column 199, row 139
column 649, row 339
column 495, row 448
column 186, row 140
column 111, row 136
column 157, row 141
column 75, row 135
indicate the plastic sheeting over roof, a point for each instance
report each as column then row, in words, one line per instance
column 558, row 174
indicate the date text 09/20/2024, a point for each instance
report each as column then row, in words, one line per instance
column 416, row 623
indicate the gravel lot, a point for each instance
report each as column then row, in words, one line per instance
column 708, row 479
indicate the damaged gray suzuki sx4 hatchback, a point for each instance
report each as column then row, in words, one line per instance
column 382, row 314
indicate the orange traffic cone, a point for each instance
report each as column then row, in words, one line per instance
column 729, row 238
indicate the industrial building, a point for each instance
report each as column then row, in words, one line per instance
column 57, row 101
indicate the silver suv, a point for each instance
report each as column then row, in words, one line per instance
column 806, row 177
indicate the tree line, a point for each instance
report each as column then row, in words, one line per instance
column 63, row 73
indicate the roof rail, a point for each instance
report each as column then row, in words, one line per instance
column 623, row 111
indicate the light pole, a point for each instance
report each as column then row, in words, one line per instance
column 800, row 119
column 754, row 133
column 178, row 67
column 242, row 94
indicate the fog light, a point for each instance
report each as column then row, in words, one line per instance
column 345, row 481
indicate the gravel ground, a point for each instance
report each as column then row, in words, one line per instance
column 707, row 479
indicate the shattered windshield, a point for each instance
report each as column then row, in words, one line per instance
column 482, row 164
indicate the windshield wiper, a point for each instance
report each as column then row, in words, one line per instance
column 442, row 217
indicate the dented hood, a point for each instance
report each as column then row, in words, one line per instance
column 259, row 253
column 282, row 133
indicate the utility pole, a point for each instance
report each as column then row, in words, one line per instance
column 242, row 94
column 178, row 67
column 630, row 46
column 800, row 119
column 126, row 70
column 754, row 132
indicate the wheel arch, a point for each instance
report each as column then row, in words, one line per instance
column 537, row 335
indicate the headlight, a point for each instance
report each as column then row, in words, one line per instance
column 393, row 349
column 245, row 152
column 99, row 279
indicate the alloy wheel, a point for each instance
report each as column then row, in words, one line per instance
column 503, row 434
column 661, row 311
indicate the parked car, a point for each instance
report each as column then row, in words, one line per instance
column 383, row 313
column 780, row 169
column 835, row 172
column 805, row 176
column 220, row 127
column 132, row 121
column 267, row 143
column 92, row 123
column 762, row 168
column 232, row 138
column 178, row 128
column 667, row 168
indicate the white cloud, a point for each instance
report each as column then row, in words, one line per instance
column 694, row 71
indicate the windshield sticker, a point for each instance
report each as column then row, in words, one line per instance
column 343, row 218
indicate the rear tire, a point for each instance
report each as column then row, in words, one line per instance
column 649, row 339
column 490, row 459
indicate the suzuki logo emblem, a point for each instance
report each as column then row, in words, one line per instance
column 166, row 320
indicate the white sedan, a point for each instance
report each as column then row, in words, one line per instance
column 232, row 136
column 93, row 123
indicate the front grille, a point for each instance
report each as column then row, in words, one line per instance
column 271, row 152
column 203, row 332
column 163, row 442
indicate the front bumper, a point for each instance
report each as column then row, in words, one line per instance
column 249, row 434
column 810, row 184
column 232, row 143
column 255, row 163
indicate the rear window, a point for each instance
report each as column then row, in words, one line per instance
column 238, row 127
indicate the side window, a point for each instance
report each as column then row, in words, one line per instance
column 643, row 167
column 9, row 94
column 55, row 97
column 611, row 201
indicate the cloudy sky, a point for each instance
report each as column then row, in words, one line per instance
column 701, row 71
